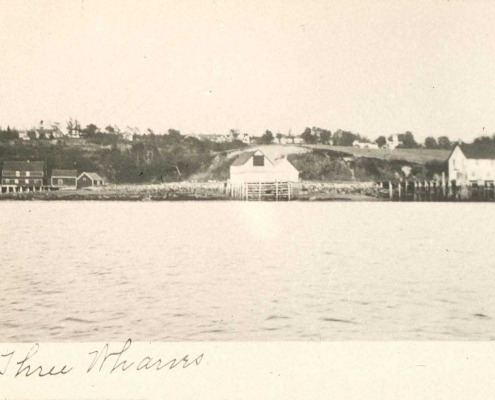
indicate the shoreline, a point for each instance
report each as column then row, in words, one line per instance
column 196, row 191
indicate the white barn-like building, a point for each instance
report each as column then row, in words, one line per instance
column 254, row 166
column 472, row 163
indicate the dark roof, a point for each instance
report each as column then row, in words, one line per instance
column 23, row 165
column 480, row 151
column 243, row 158
column 65, row 172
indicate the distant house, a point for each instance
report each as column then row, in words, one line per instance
column 64, row 178
column 246, row 139
column 364, row 145
column 23, row 175
column 472, row 163
column 129, row 136
column 394, row 141
column 87, row 179
column 254, row 166
column 214, row 138
column 23, row 135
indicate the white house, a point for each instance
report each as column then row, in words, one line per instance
column 395, row 140
column 472, row 163
column 23, row 135
column 364, row 145
column 254, row 166
column 246, row 139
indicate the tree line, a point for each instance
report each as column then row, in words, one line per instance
column 312, row 135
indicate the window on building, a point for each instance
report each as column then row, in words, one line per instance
column 26, row 180
column 258, row 161
column 28, row 173
column 17, row 173
column 60, row 181
column 16, row 181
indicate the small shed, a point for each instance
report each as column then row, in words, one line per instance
column 64, row 178
column 87, row 179
column 254, row 166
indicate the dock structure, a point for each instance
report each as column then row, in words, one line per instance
column 261, row 191
column 436, row 190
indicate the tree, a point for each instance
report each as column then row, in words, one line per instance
column 90, row 130
column 174, row 133
column 308, row 136
column 110, row 129
column 234, row 133
column 381, row 141
column 344, row 138
column 408, row 141
column 279, row 137
column 267, row 137
column 444, row 143
column 431, row 143
column 325, row 136
column 484, row 140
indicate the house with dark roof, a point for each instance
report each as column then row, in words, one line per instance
column 23, row 175
column 87, row 179
column 254, row 166
column 64, row 178
column 472, row 163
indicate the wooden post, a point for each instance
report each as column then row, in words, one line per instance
column 400, row 189
column 276, row 190
column 444, row 186
column 288, row 189
column 390, row 190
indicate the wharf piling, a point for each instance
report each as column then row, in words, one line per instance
column 436, row 190
column 261, row 191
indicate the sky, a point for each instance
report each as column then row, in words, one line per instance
column 371, row 67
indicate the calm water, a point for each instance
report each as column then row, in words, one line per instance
column 246, row 271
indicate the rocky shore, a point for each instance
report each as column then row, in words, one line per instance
column 182, row 191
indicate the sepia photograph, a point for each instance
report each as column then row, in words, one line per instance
column 247, row 171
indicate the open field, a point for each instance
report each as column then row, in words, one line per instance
column 419, row 156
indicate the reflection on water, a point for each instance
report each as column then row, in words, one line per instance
column 246, row 271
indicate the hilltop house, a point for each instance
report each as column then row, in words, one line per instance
column 394, row 141
column 472, row 163
column 364, row 145
column 64, row 178
column 245, row 138
column 87, row 179
column 23, row 175
column 254, row 166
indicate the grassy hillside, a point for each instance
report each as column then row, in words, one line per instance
column 418, row 156
column 152, row 159
column 146, row 160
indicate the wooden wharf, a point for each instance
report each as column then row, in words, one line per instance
column 261, row 191
column 435, row 190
